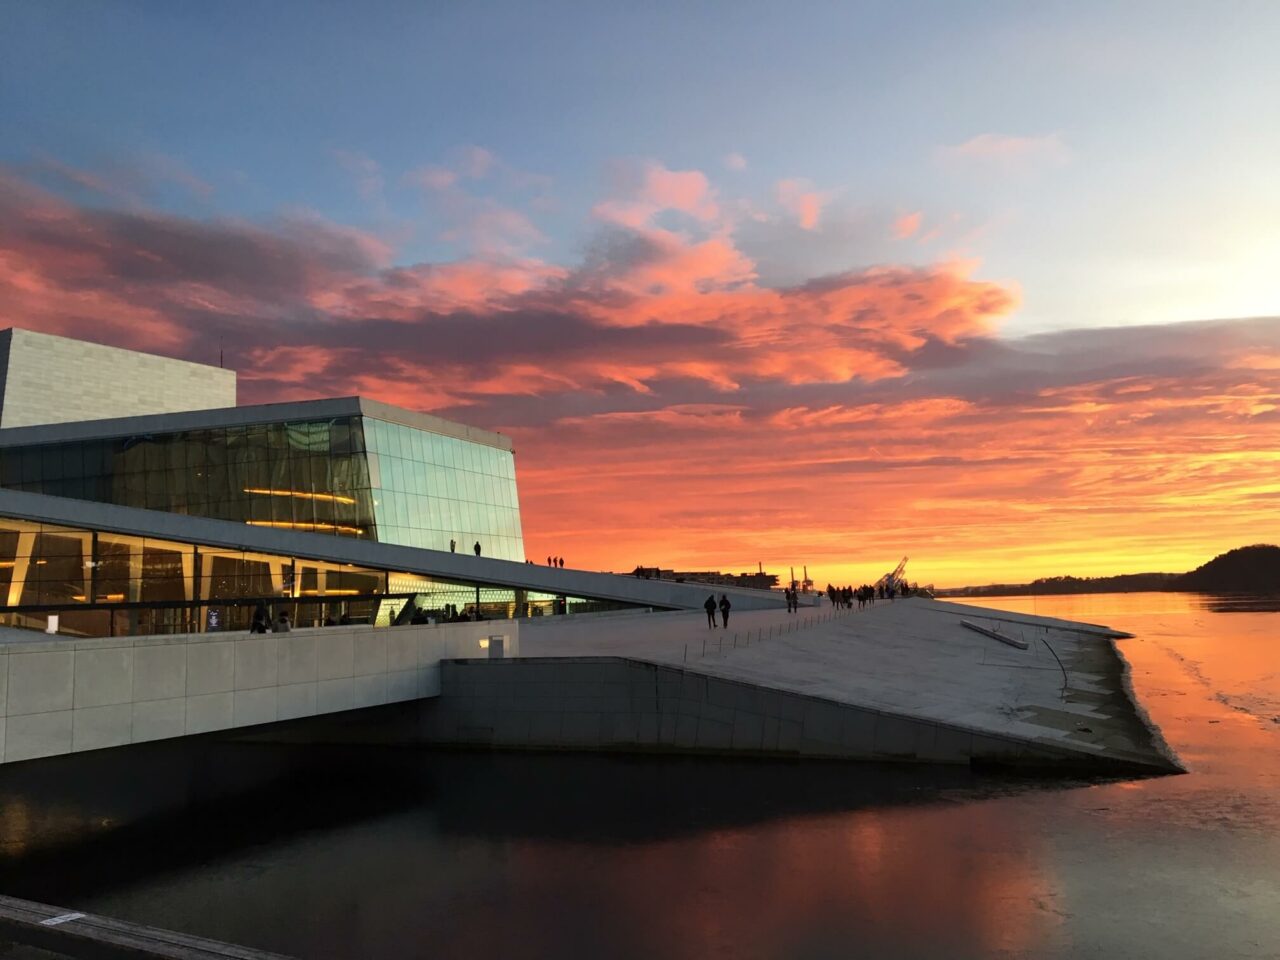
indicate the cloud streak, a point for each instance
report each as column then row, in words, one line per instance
column 1007, row 153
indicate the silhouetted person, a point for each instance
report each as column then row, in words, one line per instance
column 549, row 563
column 260, row 619
column 282, row 624
column 453, row 546
column 477, row 548
column 561, row 559
column 725, row 605
column 710, row 607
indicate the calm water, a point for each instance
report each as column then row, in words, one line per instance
column 327, row 851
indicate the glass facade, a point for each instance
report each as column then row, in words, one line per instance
column 100, row 583
column 429, row 489
column 349, row 477
column 300, row 476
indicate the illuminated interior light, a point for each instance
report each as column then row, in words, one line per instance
column 301, row 495
column 110, row 597
column 340, row 592
column 303, row 525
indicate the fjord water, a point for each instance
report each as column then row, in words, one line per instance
column 341, row 851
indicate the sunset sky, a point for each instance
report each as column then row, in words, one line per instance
column 994, row 286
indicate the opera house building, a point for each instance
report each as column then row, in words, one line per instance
column 137, row 498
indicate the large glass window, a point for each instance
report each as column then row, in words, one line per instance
column 430, row 489
column 109, row 583
column 409, row 487
column 309, row 475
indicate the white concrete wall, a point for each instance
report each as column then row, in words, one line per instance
column 612, row 704
column 63, row 696
column 55, row 379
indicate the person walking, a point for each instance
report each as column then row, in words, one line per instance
column 477, row 548
column 725, row 605
column 561, row 560
column 710, row 607
column 453, row 546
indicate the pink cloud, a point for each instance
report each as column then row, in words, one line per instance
column 907, row 225
column 432, row 178
column 1008, row 153
column 805, row 205
column 685, row 190
column 735, row 161
column 643, row 192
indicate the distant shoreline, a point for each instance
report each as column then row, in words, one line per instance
column 1026, row 590
column 1252, row 571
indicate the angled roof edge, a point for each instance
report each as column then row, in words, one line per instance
column 14, row 332
column 246, row 415
column 228, row 534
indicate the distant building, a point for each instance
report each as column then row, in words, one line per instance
column 751, row 581
column 754, row 581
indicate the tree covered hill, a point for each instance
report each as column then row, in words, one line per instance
column 1254, row 569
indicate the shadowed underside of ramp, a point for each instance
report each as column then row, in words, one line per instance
column 621, row 705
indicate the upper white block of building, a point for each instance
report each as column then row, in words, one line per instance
column 48, row 379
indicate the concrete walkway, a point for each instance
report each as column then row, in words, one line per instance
column 909, row 657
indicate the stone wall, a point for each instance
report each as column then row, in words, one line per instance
column 62, row 695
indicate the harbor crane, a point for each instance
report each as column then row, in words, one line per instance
column 893, row 579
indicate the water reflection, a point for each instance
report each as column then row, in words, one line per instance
column 418, row 850
column 1238, row 603
column 372, row 853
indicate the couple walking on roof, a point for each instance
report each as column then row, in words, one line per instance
column 710, row 607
